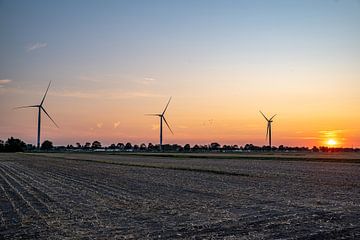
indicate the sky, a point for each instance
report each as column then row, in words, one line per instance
column 112, row 62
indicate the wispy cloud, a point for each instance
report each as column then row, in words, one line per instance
column 308, row 138
column 4, row 81
column 332, row 133
column 99, row 78
column 105, row 94
column 89, row 79
column 35, row 46
column 99, row 125
column 146, row 80
column 116, row 124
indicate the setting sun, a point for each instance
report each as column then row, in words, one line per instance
column 331, row 142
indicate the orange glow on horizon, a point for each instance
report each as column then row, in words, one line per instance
column 331, row 142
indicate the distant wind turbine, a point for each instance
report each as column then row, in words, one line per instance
column 162, row 117
column 40, row 107
column 268, row 130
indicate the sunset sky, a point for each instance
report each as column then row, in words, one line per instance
column 111, row 62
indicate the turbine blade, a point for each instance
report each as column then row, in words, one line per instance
column 26, row 106
column 267, row 132
column 272, row 117
column 166, row 106
column 42, row 101
column 264, row 116
column 49, row 117
column 168, row 125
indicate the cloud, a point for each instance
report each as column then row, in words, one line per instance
column 116, row 124
column 332, row 133
column 35, row 46
column 309, row 138
column 149, row 79
column 99, row 125
column 89, row 79
column 4, row 81
column 146, row 81
column 105, row 94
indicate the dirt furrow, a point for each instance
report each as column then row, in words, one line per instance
column 22, row 206
column 31, row 185
column 9, row 211
column 26, row 192
column 88, row 200
column 116, row 192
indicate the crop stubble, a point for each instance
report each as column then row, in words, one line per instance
column 59, row 196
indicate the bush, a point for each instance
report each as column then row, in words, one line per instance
column 47, row 145
column 14, row 145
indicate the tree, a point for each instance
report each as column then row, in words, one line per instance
column 78, row 145
column 96, row 144
column 87, row 145
column 315, row 149
column 214, row 146
column 151, row 147
column 187, row 148
column 196, row 148
column 112, row 146
column 128, row 146
column 143, row 147
column 14, row 145
column 120, row 146
column 176, row 148
column 70, row 146
column 47, row 145
column 2, row 146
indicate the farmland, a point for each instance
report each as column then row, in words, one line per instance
column 124, row 196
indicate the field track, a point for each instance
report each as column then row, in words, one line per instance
column 105, row 196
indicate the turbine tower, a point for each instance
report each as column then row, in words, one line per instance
column 162, row 117
column 40, row 108
column 268, row 130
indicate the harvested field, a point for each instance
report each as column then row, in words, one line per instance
column 117, row 196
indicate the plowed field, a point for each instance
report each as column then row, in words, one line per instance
column 88, row 196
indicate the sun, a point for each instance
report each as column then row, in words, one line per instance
column 331, row 142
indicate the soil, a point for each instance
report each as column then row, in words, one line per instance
column 102, row 196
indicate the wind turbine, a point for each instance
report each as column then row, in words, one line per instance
column 268, row 130
column 40, row 108
column 162, row 117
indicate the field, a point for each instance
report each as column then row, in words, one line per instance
column 179, row 196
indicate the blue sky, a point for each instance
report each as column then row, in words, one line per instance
column 152, row 35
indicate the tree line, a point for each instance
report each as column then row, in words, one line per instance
column 17, row 145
